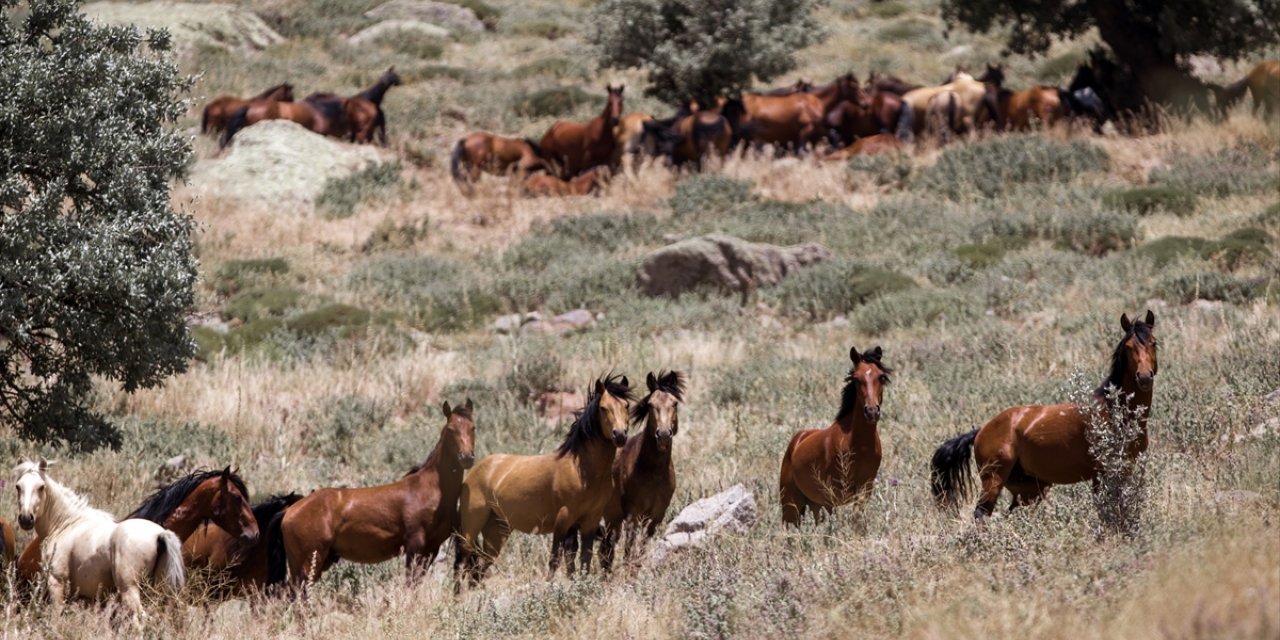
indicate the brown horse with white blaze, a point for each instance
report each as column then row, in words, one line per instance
column 827, row 468
column 413, row 516
column 218, row 112
column 1027, row 449
column 563, row 493
column 574, row 147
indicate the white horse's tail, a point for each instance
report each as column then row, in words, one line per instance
column 168, row 571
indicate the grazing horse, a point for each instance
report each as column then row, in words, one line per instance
column 320, row 113
column 1019, row 110
column 826, row 468
column 574, row 147
column 868, row 146
column 563, row 493
column 1029, row 448
column 250, row 574
column 1263, row 83
column 482, row 152
column 793, row 121
column 644, row 478
column 629, row 135
column 7, row 542
column 688, row 137
column 88, row 553
column 219, row 110
column 585, row 183
column 957, row 104
column 413, row 516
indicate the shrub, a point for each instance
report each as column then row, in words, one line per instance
column 591, row 281
column 339, row 318
column 1269, row 217
column 883, row 169
column 545, row 29
column 833, row 287
column 556, row 101
column 391, row 235
column 487, row 13
column 913, row 307
column 980, row 255
column 550, row 67
column 208, row 343
column 1243, row 246
column 316, row 18
column 602, row 231
column 1243, row 169
column 440, row 295
column 433, row 71
column 885, row 10
column 1209, row 285
column 154, row 440
column 235, row 275
column 989, row 167
column 1171, row 248
column 1093, row 233
column 338, row 423
column 707, row 194
column 536, row 371
column 1148, row 200
column 341, row 196
column 412, row 44
column 255, row 304
column 916, row 30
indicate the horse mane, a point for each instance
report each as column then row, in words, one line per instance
column 670, row 382
column 326, row 103
column 269, row 91
column 1119, row 363
column 159, row 505
column 264, row 511
column 535, row 147
column 849, row 395
column 586, row 424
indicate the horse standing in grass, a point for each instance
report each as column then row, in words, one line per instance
column 1263, row 83
column 1020, row 110
column 563, row 493
column 827, row 468
column 249, row 575
column 219, row 110
column 688, row 137
column 953, row 107
column 1029, row 448
column 483, row 152
column 629, row 136
column 364, row 113
column 644, row 478
column 7, row 542
column 574, row 147
column 413, row 516
column 793, row 121
column 320, row 113
column 88, row 554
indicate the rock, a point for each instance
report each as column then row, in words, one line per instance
column 561, row 325
column 559, row 407
column 449, row 16
column 509, row 323
column 192, row 25
column 723, row 262
column 838, row 322
column 1237, row 497
column 1274, row 396
column 278, row 163
column 390, row 28
column 732, row 511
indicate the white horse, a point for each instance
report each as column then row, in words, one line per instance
column 86, row 553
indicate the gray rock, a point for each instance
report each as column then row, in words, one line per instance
column 449, row 16
column 393, row 28
column 722, row 262
column 732, row 511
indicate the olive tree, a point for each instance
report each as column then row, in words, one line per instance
column 96, row 268
column 701, row 49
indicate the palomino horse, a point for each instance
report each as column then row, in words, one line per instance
column 219, row 110
column 562, row 493
column 629, row 135
column 88, row 553
column 1028, row 448
column 868, row 146
column 585, row 183
column 192, row 507
column 574, row 147
column 794, row 121
column 413, row 516
column 485, row 152
column 827, row 468
column 1020, row 110
column 1263, row 83
column 688, row 137
column 644, row 478
column 954, row 105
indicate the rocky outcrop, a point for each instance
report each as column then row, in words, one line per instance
column 722, row 262
column 395, row 28
column 449, row 16
column 192, row 25
column 730, row 512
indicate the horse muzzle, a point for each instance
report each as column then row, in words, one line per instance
column 872, row 413
column 1146, row 382
column 27, row 522
column 619, row 437
column 466, row 460
column 663, row 439
column 249, row 539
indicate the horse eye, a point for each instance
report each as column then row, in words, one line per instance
column 884, row 379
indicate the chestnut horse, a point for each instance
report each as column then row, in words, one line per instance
column 1029, row 448
column 848, row 121
column 322, row 113
column 363, row 111
column 1019, row 110
column 7, row 545
column 219, row 110
column 1263, row 83
column 482, row 152
column 826, row 468
column 562, row 493
column 413, row 516
column 794, row 121
column 585, row 183
column 629, row 135
column 574, row 147
column 189, row 507
column 644, row 478
column 868, row 146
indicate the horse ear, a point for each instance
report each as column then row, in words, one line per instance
column 44, row 464
column 1150, row 319
column 626, row 383
column 853, row 355
column 1125, row 323
column 651, row 382
column 468, row 405
column 599, row 386
column 877, row 352
column 446, row 409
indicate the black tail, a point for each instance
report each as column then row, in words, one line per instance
column 277, row 561
column 381, row 125
column 236, row 123
column 906, row 122
column 204, row 121
column 705, row 134
column 950, row 479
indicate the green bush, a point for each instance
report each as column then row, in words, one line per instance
column 537, row 370
column 336, row 426
column 412, row 44
column 255, row 304
column 152, row 441
column 1210, row 285
column 1093, row 233
column 1148, row 200
column 1243, row 246
column 316, row 18
column 1060, row 67
column 914, row 307
column 545, row 29
column 980, row 255
column 208, row 343
column 554, row 67
column 885, row 10
column 235, row 275
column 338, row 318
column 1244, row 169
column 487, row 13
column 587, row 280
column 916, row 30
column 834, row 287
column 883, row 169
column 556, row 101
column 1171, row 248
column 1269, row 217
column 989, row 168
column 439, row 295
column 602, row 231
column 709, row 195
column 341, row 196
column 390, row 235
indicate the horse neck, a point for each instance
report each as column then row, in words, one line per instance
column 446, row 468
column 185, row 518
column 375, row 93
column 828, row 95
column 595, row 460
column 62, row 510
column 650, row 454
column 852, row 430
column 1137, row 401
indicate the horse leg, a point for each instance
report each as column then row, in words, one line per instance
column 994, row 474
column 794, row 503
column 608, row 543
column 1026, row 493
column 416, row 558
column 588, row 547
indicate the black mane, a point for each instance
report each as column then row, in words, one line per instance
column 534, row 146
column 671, row 382
column 328, row 104
column 1119, row 361
column 264, row 511
column 849, row 396
column 586, row 425
column 161, row 504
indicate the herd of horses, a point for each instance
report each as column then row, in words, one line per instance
column 601, row 481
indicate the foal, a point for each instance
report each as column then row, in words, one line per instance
column 644, row 478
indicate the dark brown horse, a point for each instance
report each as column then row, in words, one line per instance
column 8, row 549
column 849, row 121
column 249, row 575
column 790, row 122
column 644, row 478
column 826, row 468
column 563, row 493
column 219, row 110
column 574, row 147
column 688, row 137
column 364, row 110
column 321, row 113
column 1029, row 448
column 189, row 507
column 412, row 516
column 483, row 152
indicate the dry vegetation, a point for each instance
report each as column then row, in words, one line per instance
column 348, row 331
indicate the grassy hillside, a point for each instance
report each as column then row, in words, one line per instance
column 992, row 272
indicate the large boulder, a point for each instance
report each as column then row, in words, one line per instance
column 395, row 28
column 225, row 26
column 722, row 262
column 279, row 163
column 449, row 16
column 732, row 511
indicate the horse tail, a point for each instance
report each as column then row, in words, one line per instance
column 950, row 479
column 906, row 122
column 204, row 119
column 1233, row 92
column 277, row 559
column 168, row 571
column 456, row 159
column 236, row 123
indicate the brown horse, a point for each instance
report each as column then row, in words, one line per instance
column 826, row 468
column 644, row 478
column 629, row 135
column 189, row 507
column 562, row 493
column 689, row 136
column 574, row 147
column 889, row 84
column 8, row 549
column 249, row 575
column 483, row 152
column 1029, row 448
column 868, row 146
column 321, row 113
column 795, row 121
column 800, row 86
column 1020, row 110
column 848, row 121
column 413, row 516
column 1263, row 83
column 585, row 183
column 363, row 111
column 219, row 110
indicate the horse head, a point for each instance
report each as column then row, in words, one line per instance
column 1139, row 349
column 851, row 90
column 229, row 507
column 31, row 485
column 658, row 409
column 613, row 105
column 460, row 428
column 993, row 75
column 613, row 407
column 866, row 381
column 390, row 78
